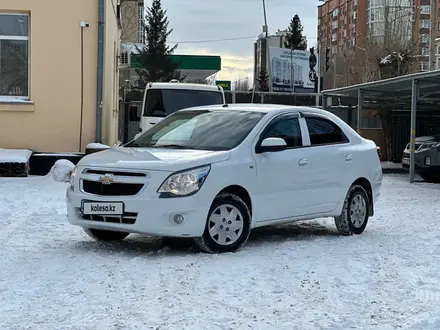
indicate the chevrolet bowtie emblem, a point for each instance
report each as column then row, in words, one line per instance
column 107, row 179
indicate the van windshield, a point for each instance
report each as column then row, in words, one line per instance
column 163, row 102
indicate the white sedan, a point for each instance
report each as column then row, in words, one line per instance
column 213, row 173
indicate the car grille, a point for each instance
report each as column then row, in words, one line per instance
column 114, row 189
column 126, row 218
column 135, row 174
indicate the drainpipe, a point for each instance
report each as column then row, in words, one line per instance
column 100, row 70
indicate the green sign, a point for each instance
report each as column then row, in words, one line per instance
column 226, row 84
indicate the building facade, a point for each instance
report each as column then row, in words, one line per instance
column 345, row 25
column 53, row 95
column 427, row 21
column 261, row 60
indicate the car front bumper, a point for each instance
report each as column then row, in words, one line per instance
column 151, row 216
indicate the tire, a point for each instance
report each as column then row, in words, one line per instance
column 220, row 221
column 353, row 221
column 105, row 235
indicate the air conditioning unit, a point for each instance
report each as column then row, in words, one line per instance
column 124, row 59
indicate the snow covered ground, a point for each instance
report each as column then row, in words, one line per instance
column 303, row 276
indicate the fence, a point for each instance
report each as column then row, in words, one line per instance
column 130, row 112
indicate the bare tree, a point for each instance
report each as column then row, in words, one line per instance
column 388, row 50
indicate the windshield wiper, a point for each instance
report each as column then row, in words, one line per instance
column 173, row 146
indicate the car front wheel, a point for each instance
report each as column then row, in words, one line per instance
column 354, row 217
column 105, row 235
column 227, row 227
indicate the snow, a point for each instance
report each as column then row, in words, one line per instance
column 61, row 170
column 11, row 99
column 303, row 276
column 97, row 146
column 54, row 154
column 15, row 155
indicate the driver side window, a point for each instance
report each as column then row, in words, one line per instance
column 287, row 128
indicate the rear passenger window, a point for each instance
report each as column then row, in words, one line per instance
column 323, row 131
column 287, row 128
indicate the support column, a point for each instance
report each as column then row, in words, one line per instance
column 359, row 112
column 324, row 102
column 412, row 137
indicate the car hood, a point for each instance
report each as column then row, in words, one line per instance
column 152, row 158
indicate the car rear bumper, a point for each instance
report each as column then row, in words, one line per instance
column 144, row 215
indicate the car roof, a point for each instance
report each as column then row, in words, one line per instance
column 179, row 85
column 256, row 107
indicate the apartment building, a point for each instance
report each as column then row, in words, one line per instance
column 344, row 25
column 341, row 29
column 427, row 19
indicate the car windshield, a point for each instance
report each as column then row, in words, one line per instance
column 163, row 102
column 202, row 130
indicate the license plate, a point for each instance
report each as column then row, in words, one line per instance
column 101, row 208
column 405, row 161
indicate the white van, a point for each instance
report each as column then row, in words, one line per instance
column 163, row 99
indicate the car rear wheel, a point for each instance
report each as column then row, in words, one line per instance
column 354, row 216
column 227, row 227
column 105, row 235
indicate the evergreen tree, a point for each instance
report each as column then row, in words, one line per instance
column 154, row 60
column 294, row 38
column 263, row 81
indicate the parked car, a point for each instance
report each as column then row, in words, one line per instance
column 213, row 174
column 427, row 157
column 379, row 153
column 162, row 99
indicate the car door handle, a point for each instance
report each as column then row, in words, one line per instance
column 303, row 162
column 349, row 157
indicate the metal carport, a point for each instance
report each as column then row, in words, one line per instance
column 413, row 88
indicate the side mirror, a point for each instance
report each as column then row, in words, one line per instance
column 272, row 144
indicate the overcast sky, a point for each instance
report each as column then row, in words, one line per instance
column 193, row 20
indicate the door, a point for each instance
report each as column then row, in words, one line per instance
column 330, row 163
column 282, row 176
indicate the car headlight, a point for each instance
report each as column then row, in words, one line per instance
column 72, row 178
column 184, row 183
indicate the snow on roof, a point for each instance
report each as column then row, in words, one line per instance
column 15, row 155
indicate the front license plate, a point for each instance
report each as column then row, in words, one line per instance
column 405, row 161
column 100, row 208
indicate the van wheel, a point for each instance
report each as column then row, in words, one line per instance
column 227, row 227
column 105, row 235
column 354, row 216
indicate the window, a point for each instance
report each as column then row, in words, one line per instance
column 323, row 131
column 201, row 130
column 287, row 128
column 424, row 38
column 162, row 102
column 424, row 51
column 425, row 24
column 423, row 66
column 425, row 9
column 14, row 60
